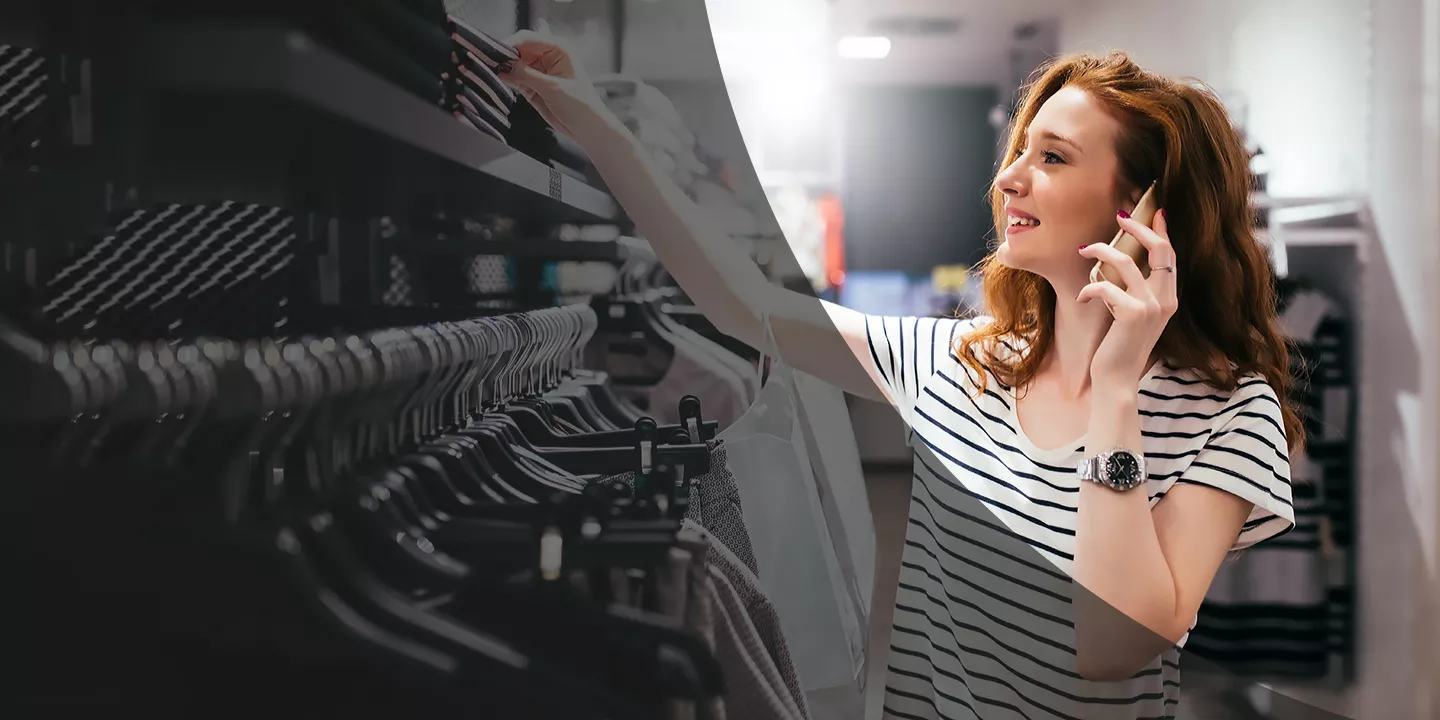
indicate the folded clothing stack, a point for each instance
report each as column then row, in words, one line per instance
column 24, row 74
column 419, row 46
column 441, row 57
column 654, row 121
column 739, row 208
column 476, row 93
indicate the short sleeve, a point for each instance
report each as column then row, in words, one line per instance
column 1248, row 456
column 907, row 350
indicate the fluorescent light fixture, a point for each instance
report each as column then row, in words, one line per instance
column 864, row 48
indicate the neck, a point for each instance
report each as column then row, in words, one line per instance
column 1079, row 329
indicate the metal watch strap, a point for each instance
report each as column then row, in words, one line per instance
column 1094, row 469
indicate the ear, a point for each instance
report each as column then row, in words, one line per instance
column 1134, row 199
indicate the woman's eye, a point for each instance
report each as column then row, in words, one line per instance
column 1050, row 157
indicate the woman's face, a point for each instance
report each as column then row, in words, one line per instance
column 1061, row 189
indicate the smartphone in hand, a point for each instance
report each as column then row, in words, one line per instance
column 1125, row 242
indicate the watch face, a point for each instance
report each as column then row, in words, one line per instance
column 1122, row 469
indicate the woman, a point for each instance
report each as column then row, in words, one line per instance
column 1085, row 457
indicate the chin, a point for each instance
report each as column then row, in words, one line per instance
column 1013, row 257
column 1036, row 259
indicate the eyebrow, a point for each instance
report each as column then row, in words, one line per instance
column 1061, row 138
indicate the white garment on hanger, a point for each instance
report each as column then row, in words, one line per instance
column 843, row 496
column 841, row 483
column 799, row 568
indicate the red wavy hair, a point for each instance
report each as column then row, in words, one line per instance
column 1178, row 133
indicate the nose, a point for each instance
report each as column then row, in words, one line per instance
column 1012, row 180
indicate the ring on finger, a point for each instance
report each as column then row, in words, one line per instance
column 1166, row 268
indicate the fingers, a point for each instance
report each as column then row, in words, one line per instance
column 544, row 52
column 1156, row 240
column 1124, row 264
column 527, row 79
column 1119, row 301
column 529, row 42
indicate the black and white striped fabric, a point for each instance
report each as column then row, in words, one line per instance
column 179, row 268
column 24, row 74
column 984, row 622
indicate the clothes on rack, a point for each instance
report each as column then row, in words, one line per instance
column 659, row 360
column 265, row 453
column 225, row 267
column 1285, row 610
column 808, row 521
column 801, row 566
column 459, row 541
column 715, row 505
column 824, row 419
column 24, row 75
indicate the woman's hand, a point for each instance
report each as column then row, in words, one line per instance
column 549, row 80
column 1141, row 311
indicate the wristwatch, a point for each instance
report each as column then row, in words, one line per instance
column 1119, row 469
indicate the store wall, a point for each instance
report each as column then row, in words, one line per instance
column 1343, row 95
column 1302, row 65
column 1403, row 301
column 917, row 164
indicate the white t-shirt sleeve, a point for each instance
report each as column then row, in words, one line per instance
column 906, row 351
column 1248, row 456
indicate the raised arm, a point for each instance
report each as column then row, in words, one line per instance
column 817, row 337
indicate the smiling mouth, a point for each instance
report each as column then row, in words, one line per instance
column 1018, row 224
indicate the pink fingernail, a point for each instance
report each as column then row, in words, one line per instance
column 1124, row 214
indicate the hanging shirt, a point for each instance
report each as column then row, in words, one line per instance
column 801, row 569
column 844, row 502
column 728, row 611
column 984, row 624
column 687, row 370
column 714, row 505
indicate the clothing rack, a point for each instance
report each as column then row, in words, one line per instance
column 1270, row 644
column 262, row 429
column 302, row 398
column 147, row 108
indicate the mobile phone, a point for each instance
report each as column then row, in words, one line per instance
column 1125, row 242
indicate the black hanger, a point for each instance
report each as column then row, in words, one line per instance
column 296, row 489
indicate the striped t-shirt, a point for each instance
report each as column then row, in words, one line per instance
column 983, row 619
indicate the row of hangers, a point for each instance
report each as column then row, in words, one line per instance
column 409, row 475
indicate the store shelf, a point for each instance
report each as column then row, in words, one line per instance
column 623, row 248
column 534, row 249
column 323, row 107
column 1321, row 237
column 1261, row 199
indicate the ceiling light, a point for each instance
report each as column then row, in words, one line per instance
column 863, row 48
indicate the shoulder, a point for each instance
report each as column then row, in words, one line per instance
column 915, row 332
column 1188, row 385
column 965, row 329
column 1185, row 396
column 909, row 350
